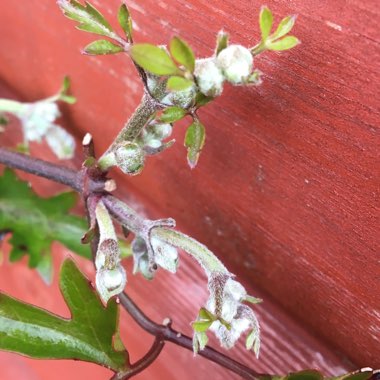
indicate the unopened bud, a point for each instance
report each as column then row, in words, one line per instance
column 236, row 63
column 209, row 77
column 130, row 158
column 110, row 282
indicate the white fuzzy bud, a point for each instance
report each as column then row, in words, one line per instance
column 130, row 158
column 110, row 282
column 165, row 255
column 236, row 63
column 209, row 77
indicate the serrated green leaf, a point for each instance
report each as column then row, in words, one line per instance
column 87, row 336
column 266, row 22
column 125, row 20
column 194, row 141
column 284, row 27
column 201, row 326
column 36, row 222
column 88, row 17
column 153, row 59
column 308, row 374
column 172, row 114
column 182, row 53
column 102, row 47
column 177, row 83
column 285, row 43
column 221, row 41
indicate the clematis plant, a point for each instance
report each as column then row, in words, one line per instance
column 176, row 85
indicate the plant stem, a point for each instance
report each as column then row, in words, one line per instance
column 169, row 334
column 135, row 124
column 74, row 179
column 144, row 362
column 56, row 173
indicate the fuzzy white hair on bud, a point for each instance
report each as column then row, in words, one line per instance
column 165, row 255
column 236, row 63
column 209, row 77
column 130, row 158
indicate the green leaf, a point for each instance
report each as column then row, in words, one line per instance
column 87, row 336
column 88, row 17
column 36, row 222
column 153, row 59
column 285, row 43
column 182, row 53
column 125, row 20
column 172, row 114
column 266, row 21
column 176, row 83
column 206, row 315
column 3, row 119
column 201, row 326
column 101, row 47
column 284, row 27
column 194, row 141
column 202, row 100
column 63, row 92
column 252, row 299
column 221, row 41
column 308, row 374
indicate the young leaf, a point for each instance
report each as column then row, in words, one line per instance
column 182, row 53
column 221, row 41
column 201, row 326
column 87, row 336
column 176, row 83
column 125, row 20
column 36, row 222
column 202, row 100
column 266, row 21
column 88, row 17
column 172, row 114
column 63, row 92
column 284, row 27
column 308, row 374
column 194, row 141
column 153, row 59
column 101, row 47
column 285, row 43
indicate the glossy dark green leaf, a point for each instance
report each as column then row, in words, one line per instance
column 88, row 17
column 266, row 21
column 194, row 141
column 87, row 336
column 285, row 43
column 177, row 83
column 125, row 20
column 182, row 53
column 36, row 222
column 221, row 41
column 153, row 59
column 172, row 114
column 102, row 47
column 284, row 27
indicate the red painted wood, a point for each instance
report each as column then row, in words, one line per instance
column 287, row 188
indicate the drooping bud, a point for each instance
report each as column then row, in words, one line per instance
column 209, row 77
column 130, row 158
column 110, row 275
column 141, row 259
column 165, row 255
column 236, row 63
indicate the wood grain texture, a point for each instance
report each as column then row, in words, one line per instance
column 287, row 189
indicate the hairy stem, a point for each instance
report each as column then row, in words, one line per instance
column 167, row 333
column 74, row 180
column 135, row 124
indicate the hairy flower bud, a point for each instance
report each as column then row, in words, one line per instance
column 209, row 77
column 236, row 63
column 130, row 158
column 110, row 282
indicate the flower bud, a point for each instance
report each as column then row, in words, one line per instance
column 110, row 282
column 130, row 158
column 165, row 255
column 236, row 63
column 209, row 77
